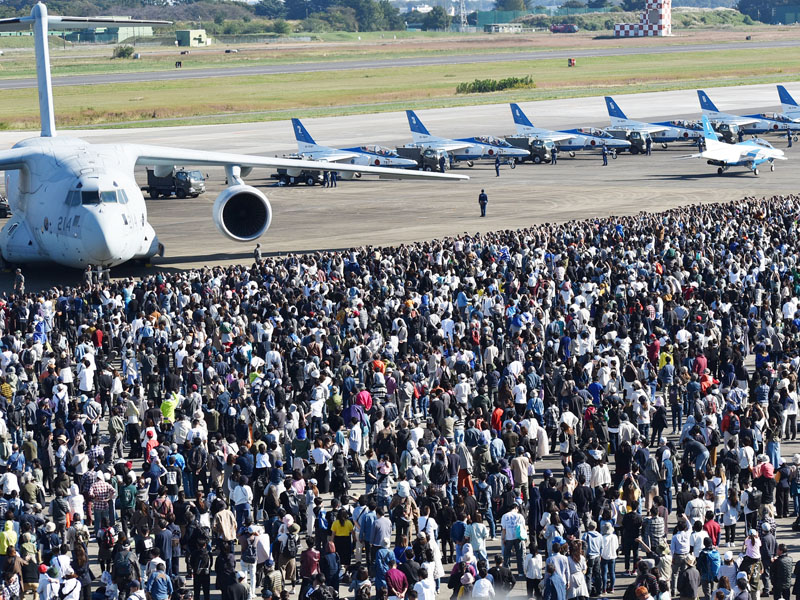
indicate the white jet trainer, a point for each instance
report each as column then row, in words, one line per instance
column 76, row 203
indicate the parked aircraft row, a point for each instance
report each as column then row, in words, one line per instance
column 624, row 134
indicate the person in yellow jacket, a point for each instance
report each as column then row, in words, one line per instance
column 8, row 537
column 168, row 407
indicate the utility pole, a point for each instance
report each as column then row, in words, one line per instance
column 462, row 9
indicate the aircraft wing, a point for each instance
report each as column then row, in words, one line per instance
column 450, row 146
column 335, row 156
column 554, row 137
column 165, row 156
column 15, row 158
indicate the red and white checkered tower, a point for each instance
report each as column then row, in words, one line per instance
column 656, row 21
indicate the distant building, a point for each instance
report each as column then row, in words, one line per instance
column 655, row 21
column 192, row 37
column 109, row 35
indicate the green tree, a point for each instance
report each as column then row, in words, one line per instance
column 632, row 5
column 369, row 15
column 598, row 4
column 391, row 16
column 271, row 9
column 573, row 4
column 437, row 19
column 281, row 27
column 509, row 4
column 122, row 52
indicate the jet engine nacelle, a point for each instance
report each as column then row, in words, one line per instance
column 163, row 170
column 242, row 213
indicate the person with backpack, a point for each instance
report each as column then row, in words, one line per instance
column 751, row 502
column 708, row 563
column 124, row 567
column 288, row 542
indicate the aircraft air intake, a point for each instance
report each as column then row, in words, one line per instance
column 242, row 213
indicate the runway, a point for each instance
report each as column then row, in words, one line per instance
column 440, row 59
column 370, row 212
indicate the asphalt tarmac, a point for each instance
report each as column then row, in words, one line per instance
column 369, row 211
column 347, row 65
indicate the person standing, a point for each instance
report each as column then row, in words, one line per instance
column 483, row 200
column 780, row 572
column 554, row 156
column 326, row 179
column 497, row 166
column 648, row 146
column 605, row 155
column 789, row 138
column 19, row 282
column 334, row 178
column 514, row 534
column 257, row 254
column 442, row 163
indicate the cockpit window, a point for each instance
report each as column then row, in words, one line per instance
column 96, row 197
column 90, row 197
column 73, row 198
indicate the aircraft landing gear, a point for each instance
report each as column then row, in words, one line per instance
column 572, row 155
column 664, row 146
column 470, row 164
column 755, row 171
column 772, row 167
column 720, row 171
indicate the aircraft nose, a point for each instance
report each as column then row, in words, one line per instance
column 103, row 243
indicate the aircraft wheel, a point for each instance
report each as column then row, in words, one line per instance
column 512, row 164
column 572, row 155
column 664, row 146
column 772, row 167
column 470, row 164
column 614, row 155
column 755, row 171
column 720, row 171
column 795, row 138
column 357, row 176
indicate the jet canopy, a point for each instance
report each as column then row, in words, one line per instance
column 379, row 150
column 490, row 140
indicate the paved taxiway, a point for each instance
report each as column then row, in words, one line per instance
column 392, row 212
column 348, row 65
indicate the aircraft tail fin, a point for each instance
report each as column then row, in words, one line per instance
column 415, row 124
column 708, row 131
column 786, row 98
column 705, row 102
column 300, row 133
column 520, row 118
column 614, row 110
column 41, row 22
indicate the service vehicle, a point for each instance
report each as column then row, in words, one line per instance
column 541, row 151
column 180, row 183
column 427, row 158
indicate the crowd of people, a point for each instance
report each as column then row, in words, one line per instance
column 366, row 424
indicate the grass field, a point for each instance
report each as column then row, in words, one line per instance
column 66, row 59
column 271, row 97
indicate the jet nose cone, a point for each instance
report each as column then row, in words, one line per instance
column 103, row 243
